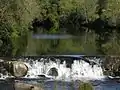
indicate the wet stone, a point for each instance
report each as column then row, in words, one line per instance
column 25, row 86
column 16, row 68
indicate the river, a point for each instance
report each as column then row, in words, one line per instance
column 62, row 74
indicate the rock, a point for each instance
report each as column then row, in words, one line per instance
column 20, row 69
column 1, row 60
column 16, row 68
column 111, row 66
column 53, row 72
column 24, row 86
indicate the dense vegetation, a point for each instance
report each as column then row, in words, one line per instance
column 95, row 21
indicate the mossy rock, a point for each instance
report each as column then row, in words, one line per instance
column 85, row 86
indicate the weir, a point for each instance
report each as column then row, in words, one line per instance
column 61, row 68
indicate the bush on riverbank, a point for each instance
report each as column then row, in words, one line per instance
column 15, row 18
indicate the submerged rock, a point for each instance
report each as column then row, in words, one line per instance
column 85, row 86
column 16, row 68
column 24, row 86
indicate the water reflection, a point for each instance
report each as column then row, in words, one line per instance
column 53, row 36
column 41, row 44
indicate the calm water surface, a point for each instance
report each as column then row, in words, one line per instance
column 61, row 85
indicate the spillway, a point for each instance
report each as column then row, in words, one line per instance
column 61, row 69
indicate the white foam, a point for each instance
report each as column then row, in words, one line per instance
column 79, row 70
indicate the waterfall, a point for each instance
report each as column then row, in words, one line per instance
column 79, row 69
column 61, row 69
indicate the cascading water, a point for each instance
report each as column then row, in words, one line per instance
column 79, row 69
column 55, row 69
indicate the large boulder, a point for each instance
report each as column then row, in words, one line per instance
column 24, row 86
column 16, row 68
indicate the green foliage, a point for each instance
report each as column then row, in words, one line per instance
column 85, row 86
column 16, row 17
column 112, row 47
column 5, row 40
column 87, row 7
column 49, row 9
column 111, row 11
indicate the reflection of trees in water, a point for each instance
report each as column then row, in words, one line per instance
column 99, row 33
column 76, row 20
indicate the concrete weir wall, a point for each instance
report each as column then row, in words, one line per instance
column 109, row 64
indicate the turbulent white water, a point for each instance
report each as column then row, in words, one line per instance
column 58, row 70
column 79, row 69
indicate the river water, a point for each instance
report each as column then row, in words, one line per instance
column 61, row 85
column 62, row 74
